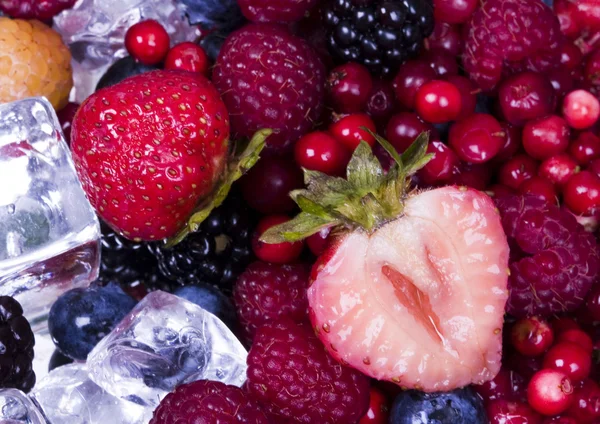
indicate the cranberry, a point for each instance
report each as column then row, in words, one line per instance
column 403, row 128
column 570, row 359
column 349, row 130
column 516, row 170
column 526, row 96
column 558, row 169
column 594, row 167
column 565, row 12
column 539, row 187
column 505, row 412
column 579, row 337
column 454, row 11
column 438, row 102
column 477, row 138
column 591, row 71
column 65, row 117
column 267, row 185
column 545, row 137
column 472, row 175
column 349, row 87
column 571, row 56
column 468, row 95
column 441, row 167
column 585, row 408
column 318, row 242
column 499, row 190
column 442, row 63
column 512, row 142
column 319, row 151
column 587, row 14
column 148, row 42
column 550, row 392
column 411, row 76
column 382, row 102
column 506, row 385
column 562, row 81
column 280, row 253
column 585, row 148
column 379, row 410
column 526, row 366
column 531, row 336
column 581, row 109
column 592, row 303
column 581, row 193
column 562, row 324
column 189, row 57
column 445, row 37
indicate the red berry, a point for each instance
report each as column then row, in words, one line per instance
column 349, row 87
column 148, row 42
column 550, row 392
column 438, row 102
column 403, row 128
column 516, row 170
column 562, row 324
column 505, row 412
column 585, row 408
column 65, row 117
column 411, row 76
column 472, row 175
column 468, row 95
column 441, row 167
column 507, row 385
column 592, row 303
column 318, row 242
column 188, row 57
column 591, row 71
column 539, row 187
column 267, row 185
column 531, row 336
column 379, row 409
column 577, row 336
column 526, row 96
column 581, row 193
column 594, row 167
column 512, row 142
column 442, row 63
column 526, row 366
column 477, row 138
column 559, row 419
column 280, row 253
column 454, row 11
column 558, row 169
column 319, row 151
column 499, row 190
column 545, row 137
column 571, row 56
column 581, row 109
column 562, row 81
column 565, row 12
column 382, row 102
column 585, row 148
column 349, row 132
column 569, row 358
column 445, row 37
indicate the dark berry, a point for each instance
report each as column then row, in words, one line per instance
column 58, row 360
column 411, row 76
column 121, row 69
column 468, row 95
column 219, row 16
column 403, row 128
column 442, row 63
column 445, row 37
column 211, row 299
column 148, row 42
column 381, row 102
column 349, row 87
column 65, row 117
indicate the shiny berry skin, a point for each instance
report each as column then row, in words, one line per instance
column 403, row 128
column 581, row 109
column 581, row 193
column 468, row 95
column 559, row 419
column 592, row 303
column 594, row 167
column 531, row 336
column 507, row 385
column 562, row 324
column 438, row 102
column 571, row 56
column 267, row 185
column 474, row 175
column 585, row 148
column 558, row 169
column 318, row 242
column 148, row 42
column 445, row 37
column 382, row 102
column 442, row 63
column 348, row 130
column 65, row 117
column 379, row 408
column 525, row 366
column 539, row 187
column 550, row 392
column 577, row 336
column 562, row 81
column 477, row 138
column 319, row 151
column 512, row 142
column 591, row 70
column 189, row 57
column 411, row 76
column 506, row 412
column 441, row 167
column 498, row 190
column 516, row 170
column 454, row 11
column 545, row 137
column 280, row 253
column 565, row 12
column 569, row 358
column 585, row 408
column 526, row 96
column 349, row 86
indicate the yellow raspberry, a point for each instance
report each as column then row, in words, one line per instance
column 33, row 62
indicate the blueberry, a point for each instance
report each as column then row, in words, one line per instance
column 58, row 360
column 210, row 299
column 121, row 69
column 459, row 406
column 214, row 14
column 80, row 318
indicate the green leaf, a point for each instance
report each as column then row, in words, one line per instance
column 310, row 206
column 364, row 171
column 302, row 226
column 326, row 190
column 416, row 157
column 235, row 169
column 387, row 147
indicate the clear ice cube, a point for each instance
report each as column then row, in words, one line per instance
column 48, row 230
column 163, row 342
column 17, row 408
column 68, row 396
column 95, row 31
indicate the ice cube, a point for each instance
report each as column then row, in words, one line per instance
column 48, row 230
column 68, row 396
column 163, row 342
column 95, row 31
column 17, row 408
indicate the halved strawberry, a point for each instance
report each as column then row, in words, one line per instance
column 414, row 288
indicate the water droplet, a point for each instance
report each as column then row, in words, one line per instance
column 11, row 208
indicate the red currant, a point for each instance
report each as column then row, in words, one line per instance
column 441, row 167
column 65, row 117
column 585, row 408
column 319, row 151
column 454, row 11
column 539, row 187
column 526, row 366
column 591, row 71
column 550, row 392
column 579, row 337
column 148, row 42
column 585, row 148
column 516, row 170
column 565, row 11
column 438, row 102
column 562, row 80
column 472, row 175
column 318, row 242
column 558, row 169
column 570, row 359
column 280, row 253
column 531, row 336
column 349, row 86
column 403, row 128
column 581, row 193
column 562, row 324
column 505, row 412
column 512, row 142
column 545, row 137
column 499, row 190
column 506, row 385
column 188, row 57
column 442, row 63
column 445, row 37
column 526, row 96
column 349, row 132
column 379, row 410
column 468, row 95
column 411, row 76
column 571, row 56
column 477, row 138
column 581, row 109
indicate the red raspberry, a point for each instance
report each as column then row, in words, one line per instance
column 35, row 9
column 506, row 36
column 265, row 292
column 208, row 401
column 275, row 10
column 297, row 381
column 554, row 261
column 270, row 79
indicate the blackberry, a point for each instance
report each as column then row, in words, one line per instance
column 17, row 341
column 381, row 34
column 215, row 254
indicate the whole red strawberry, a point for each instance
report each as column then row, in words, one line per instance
column 148, row 149
column 270, row 79
column 34, row 9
